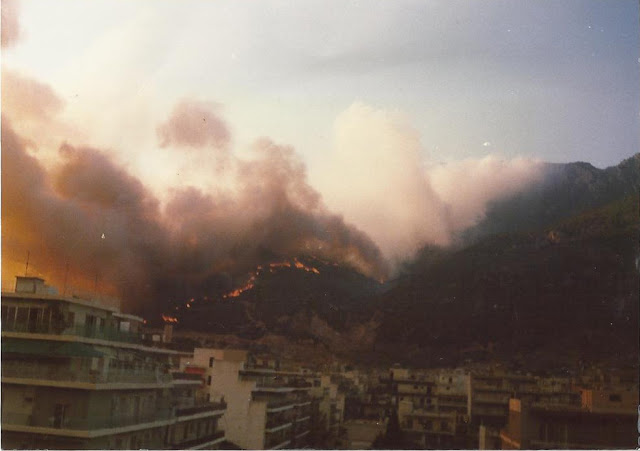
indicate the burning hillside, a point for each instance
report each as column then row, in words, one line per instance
column 275, row 292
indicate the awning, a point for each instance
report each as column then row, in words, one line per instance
column 48, row 348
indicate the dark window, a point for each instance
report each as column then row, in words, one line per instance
column 22, row 315
column 208, row 380
column 210, row 362
column 11, row 315
column 59, row 413
column 615, row 398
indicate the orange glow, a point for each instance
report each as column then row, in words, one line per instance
column 169, row 319
column 238, row 291
column 300, row 265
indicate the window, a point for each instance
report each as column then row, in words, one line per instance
column 21, row 316
column 210, row 362
column 59, row 414
column 208, row 380
column 615, row 398
column 11, row 315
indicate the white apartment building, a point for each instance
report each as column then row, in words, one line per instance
column 76, row 375
column 267, row 408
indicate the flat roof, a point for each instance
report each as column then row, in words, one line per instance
column 58, row 298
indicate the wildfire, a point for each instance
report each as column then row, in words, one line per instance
column 300, row 265
column 238, row 291
column 169, row 319
column 273, row 267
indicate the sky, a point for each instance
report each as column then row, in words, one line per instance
column 403, row 118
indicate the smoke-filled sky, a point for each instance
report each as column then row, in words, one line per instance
column 185, row 140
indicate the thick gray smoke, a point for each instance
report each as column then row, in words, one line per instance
column 92, row 214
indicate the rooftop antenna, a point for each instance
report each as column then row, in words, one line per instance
column 66, row 274
column 26, row 267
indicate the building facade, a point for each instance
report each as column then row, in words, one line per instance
column 77, row 375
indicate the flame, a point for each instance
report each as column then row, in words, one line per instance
column 300, row 265
column 169, row 319
column 273, row 267
column 238, row 291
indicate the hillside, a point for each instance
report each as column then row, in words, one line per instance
column 302, row 298
column 548, row 280
column 565, row 190
column 565, row 294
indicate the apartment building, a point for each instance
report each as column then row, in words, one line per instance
column 268, row 407
column 197, row 416
column 604, row 419
column 77, row 375
column 330, row 403
column 432, row 406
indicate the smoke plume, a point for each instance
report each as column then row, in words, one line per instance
column 194, row 125
column 89, row 214
column 92, row 214
column 400, row 199
column 10, row 24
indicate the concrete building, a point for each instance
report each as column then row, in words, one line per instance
column 608, row 423
column 362, row 433
column 267, row 408
column 76, row 374
column 432, row 406
column 197, row 416
column 330, row 403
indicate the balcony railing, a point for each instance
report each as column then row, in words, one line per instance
column 83, row 423
column 43, row 371
column 275, row 404
column 273, row 421
column 200, row 407
column 199, row 441
column 280, row 383
column 106, row 333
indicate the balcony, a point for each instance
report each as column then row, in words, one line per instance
column 82, row 423
column 280, row 404
column 44, row 371
column 279, row 385
column 278, row 419
column 191, row 444
column 200, row 407
column 107, row 333
column 181, row 376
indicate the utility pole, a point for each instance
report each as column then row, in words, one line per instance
column 66, row 275
column 26, row 267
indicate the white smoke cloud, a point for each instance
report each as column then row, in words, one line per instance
column 469, row 185
column 378, row 179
